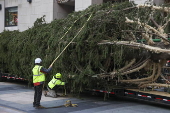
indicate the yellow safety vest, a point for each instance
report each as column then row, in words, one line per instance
column 55, row 82
column 37, row 75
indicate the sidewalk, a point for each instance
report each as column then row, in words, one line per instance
column 16, row 98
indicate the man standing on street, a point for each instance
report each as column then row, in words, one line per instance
column 38, row 81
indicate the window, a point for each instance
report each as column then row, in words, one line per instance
column 11, row 16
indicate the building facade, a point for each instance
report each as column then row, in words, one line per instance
column 21, row 14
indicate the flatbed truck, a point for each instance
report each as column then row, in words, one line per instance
column 149, row 95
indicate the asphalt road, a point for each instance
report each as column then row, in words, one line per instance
column 18, row 98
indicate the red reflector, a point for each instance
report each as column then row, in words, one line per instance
column 112, row 93
column 131, row 93
column 105, row 91
column 159, row 98
column 144, row 96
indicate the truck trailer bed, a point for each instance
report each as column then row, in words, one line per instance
column 152, row 96
column 166, row 94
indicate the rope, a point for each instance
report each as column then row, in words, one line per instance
column 71, row 40
column 72, row 26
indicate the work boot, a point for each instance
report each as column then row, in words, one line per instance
column 39, row 107
column 54, row 96
column 57, row 95
column 33, row 104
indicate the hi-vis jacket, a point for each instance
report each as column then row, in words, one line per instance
column 38, row 76
column 55, row 82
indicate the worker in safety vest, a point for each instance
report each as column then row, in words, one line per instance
column 53, row 85
column 38, row 81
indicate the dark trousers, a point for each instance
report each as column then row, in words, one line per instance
column 37, row 95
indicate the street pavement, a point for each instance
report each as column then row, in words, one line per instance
column 18, row 98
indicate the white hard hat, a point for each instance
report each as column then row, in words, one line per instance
column 38, row 60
